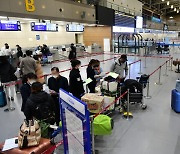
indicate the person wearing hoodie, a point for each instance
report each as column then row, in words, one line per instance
column 120, row 67
column 39, row 105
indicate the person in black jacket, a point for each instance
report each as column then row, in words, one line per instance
column 39, row 105
column 90, row 74
column 45, row 50
column 7, row 76
column 19, row 51
column 55, row 83
column 72, row 52
column 75, row 80
column 25, row 90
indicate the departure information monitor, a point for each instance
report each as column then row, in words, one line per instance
column 10, row 25
column 74, row 28
column 44, row 27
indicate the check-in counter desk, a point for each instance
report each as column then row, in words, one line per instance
column 96, row 49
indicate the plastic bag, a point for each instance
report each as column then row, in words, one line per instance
column 103, row 125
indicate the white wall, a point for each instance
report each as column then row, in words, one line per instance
column 27, row 38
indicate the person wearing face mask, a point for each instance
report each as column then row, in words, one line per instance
column 25, row 90
column 55, row 83
column 75, row 80
column 121, row 67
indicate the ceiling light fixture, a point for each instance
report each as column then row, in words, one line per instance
column 175, row 9
column 172, row 6
column 171, row 17
column 167, row 2
column 162, row 0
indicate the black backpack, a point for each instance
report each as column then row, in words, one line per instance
column 44, row 111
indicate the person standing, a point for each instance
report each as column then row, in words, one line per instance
column 7, row 77
column 25, row 90
column 5, row 51
column 19, row 51
column 45, row 51
column 28, row 64
column 55, row 83
column 75, row 80
column 121, row 67
column 72, row 52
column 90, row 74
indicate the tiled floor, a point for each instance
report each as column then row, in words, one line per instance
column 153, row 131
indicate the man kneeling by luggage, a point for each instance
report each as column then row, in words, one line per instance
column 40, row 106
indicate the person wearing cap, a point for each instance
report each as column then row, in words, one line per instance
column 121, row 67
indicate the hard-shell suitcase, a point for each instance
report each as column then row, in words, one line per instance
column 175, row 101
column 3, row 101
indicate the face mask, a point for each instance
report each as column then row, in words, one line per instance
column 55, row 76
column 31, row 82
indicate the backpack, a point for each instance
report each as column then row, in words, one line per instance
column 44, row 111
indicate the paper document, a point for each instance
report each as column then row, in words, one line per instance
column 10, row 144
column 89, row 80
column 114, row 75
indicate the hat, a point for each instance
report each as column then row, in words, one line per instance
column 124, row 57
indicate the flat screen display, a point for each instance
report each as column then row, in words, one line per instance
column 10, row 26
column 44, row 27
column 74, row 28
column 139, row 22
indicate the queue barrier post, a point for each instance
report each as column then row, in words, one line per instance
column 171, row 64
column 128, row 115
column 166, row 69
column 140, row 72
column 129, row 71
column 8, row 102
column 159, row 81
column 147, row 94
column 145, row 62
column 92, row 136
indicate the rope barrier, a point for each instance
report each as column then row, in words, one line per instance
column 110, row 105
column 50, row 150
column 135, row 62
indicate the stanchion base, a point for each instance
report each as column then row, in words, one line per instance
column 125, row 115
column 9, row 109
column 158, row 83
column 147, row 97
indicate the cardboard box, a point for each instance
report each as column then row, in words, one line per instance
column 95, row 102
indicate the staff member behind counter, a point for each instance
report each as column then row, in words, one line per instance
column 121, row 67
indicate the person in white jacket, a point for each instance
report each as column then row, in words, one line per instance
column 5, row 51
column 120, row 67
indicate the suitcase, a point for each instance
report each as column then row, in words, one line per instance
column 3, row 100
column 175, row 101
column 44, row 145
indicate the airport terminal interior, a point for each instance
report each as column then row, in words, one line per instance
column 128, row 102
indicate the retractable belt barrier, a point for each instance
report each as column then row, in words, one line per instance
column 51, row 150
column 159, row 77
